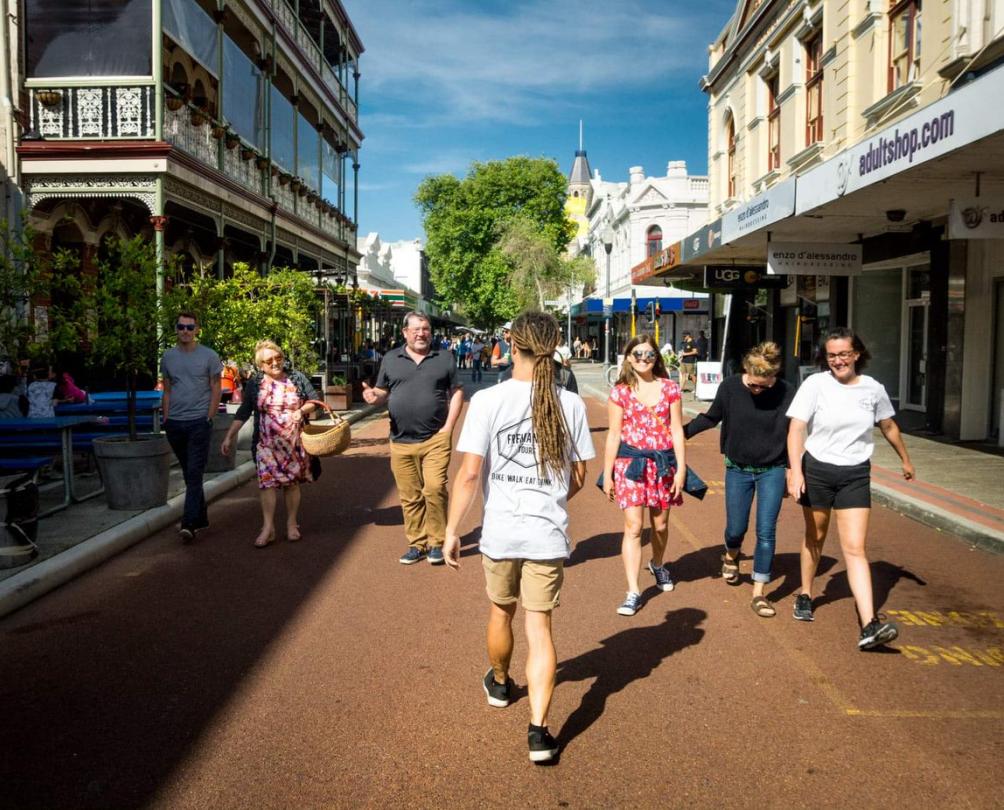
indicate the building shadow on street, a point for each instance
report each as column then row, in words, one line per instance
column 622, row 659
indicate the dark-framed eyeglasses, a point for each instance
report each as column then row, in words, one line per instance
column 183, row 327
column 845, row 356
column 643, row 355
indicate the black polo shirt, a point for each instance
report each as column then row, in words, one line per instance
column 419, row 392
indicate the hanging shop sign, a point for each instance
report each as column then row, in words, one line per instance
column 776, row 203
column 813, row 258
column 728, row 277
column 701, row 241
column 960, row 118
column 976, row 218
column 709, row 377
column 656, row 264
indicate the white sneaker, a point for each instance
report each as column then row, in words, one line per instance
column 630, row 605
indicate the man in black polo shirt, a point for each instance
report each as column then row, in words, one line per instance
column 418, row 381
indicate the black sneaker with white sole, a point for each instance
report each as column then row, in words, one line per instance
column 543, row 747
column 663, row 579
column 803, row 608
column 499, row 694
column 876, row 633
column 187, row 535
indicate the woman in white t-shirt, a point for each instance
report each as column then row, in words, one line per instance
column 831, row 469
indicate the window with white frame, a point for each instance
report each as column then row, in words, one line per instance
column 653, row 240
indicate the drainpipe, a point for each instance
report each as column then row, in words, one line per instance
column 11, row 206
column 268, row 147
column 158, row 71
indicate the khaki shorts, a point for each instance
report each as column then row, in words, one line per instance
column 537, row 583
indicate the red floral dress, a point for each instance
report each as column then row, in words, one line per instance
column 647, row 429
column 280, row 457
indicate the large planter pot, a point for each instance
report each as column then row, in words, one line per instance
column 217, row 461
column 135, row 474
column 338, row 397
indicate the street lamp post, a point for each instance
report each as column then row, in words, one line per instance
column 608, row 245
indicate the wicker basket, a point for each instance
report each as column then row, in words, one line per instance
column 326, row 438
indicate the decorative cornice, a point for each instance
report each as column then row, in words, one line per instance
column 99, row 150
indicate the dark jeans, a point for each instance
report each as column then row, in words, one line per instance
column 476, row 376
column 189, row 440
column 739, row 490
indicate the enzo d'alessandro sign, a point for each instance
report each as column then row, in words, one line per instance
column 778, row 202
column 958, row 119
column 813, row 259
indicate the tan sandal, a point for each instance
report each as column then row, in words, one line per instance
column 730, row 569
column 264, row 540
column 763, row 608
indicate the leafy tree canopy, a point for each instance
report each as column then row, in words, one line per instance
column 465, row 221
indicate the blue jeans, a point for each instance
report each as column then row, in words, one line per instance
column 476, row 375
column 189, row 439
column 739, row 490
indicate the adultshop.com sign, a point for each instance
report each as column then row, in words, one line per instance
column 813, row 259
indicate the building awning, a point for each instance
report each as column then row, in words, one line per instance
column 947, row 150
column 594, row 306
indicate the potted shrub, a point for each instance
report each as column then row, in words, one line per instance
column 126, row 311
column 338, row 394
column 261, row 163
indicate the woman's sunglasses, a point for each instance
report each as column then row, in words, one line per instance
column 643, row 355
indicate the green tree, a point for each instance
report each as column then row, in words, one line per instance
column 465, row 219
column 538, row 272
column 29, row 278
column 236, row 312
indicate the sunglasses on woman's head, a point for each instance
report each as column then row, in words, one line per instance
column 641, row 355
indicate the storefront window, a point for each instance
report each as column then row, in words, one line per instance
column 97, row 38
column 876, row 315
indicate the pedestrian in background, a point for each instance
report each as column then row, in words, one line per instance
column 41, row 393
column 688, row 358
column 192, row 389
column 526, row 442
column 831, row 469
column 501, row 351
column 419, row 383
column 752, row 410
column 279, row 401
column 645, row 424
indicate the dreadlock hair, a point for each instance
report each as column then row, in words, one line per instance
column 535, row 336
column 627, row 375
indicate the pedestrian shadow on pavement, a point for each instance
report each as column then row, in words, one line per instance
column 885, row 577
column 787, row 565
column 622, row 659
column 598, row 547
column 469, row 543
column 360, row 444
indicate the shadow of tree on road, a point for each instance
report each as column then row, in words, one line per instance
column 623, row 658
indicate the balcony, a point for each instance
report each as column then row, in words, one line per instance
column 92, row 113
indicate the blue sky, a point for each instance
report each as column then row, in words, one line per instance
column 448, row 82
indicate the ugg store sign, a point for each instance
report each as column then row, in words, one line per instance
column 813, row 259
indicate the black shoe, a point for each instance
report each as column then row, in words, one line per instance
column 498, row 694
column 876, row 633
column 803, row 608
column 187, row 535
column 543, row 747
column 412, row 556
column 435, row 556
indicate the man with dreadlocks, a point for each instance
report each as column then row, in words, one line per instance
column 527, row 441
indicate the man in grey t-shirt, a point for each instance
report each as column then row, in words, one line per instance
column 192, row 390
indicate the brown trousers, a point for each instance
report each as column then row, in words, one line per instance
column 420, row 473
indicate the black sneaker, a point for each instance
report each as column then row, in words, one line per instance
column 803, row 608
column 435, row 556
column 876, row 633
column 412, row 556
column 498, row 694
column 543, row 747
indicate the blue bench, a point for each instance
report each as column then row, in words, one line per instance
column 27, row 464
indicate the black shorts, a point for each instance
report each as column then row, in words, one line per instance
column 835, row 486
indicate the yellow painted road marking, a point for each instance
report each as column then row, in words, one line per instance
column 936, row 714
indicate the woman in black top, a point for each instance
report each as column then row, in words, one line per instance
column 751, row 407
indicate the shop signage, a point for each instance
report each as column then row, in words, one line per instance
column 709, row 377
column 665, row 259
column 692, row 303
column 962, row 117
column 776, row 203
column 727, row 277
column 813, row 258
column 701, row 241
column 976, row 218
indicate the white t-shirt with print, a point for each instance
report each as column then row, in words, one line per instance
column 525, row 517
column 840, row 417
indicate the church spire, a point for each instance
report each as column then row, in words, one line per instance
column 580, row 173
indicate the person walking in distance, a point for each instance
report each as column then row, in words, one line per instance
column 645, row 426
column 526, row 442
column 831, row 469
column 419, row 383
column 752, row 409
column 192, row 391
column 688, row 360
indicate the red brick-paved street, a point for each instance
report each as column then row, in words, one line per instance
column 324, row 673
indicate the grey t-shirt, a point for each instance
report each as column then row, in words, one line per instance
column 189, row 375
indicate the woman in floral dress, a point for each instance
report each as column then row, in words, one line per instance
column 279, row 401
column 640, row 471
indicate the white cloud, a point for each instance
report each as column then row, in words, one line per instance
column 523, row 60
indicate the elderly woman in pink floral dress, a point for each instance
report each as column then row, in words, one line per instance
column 646, row 426
column 279, row 401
